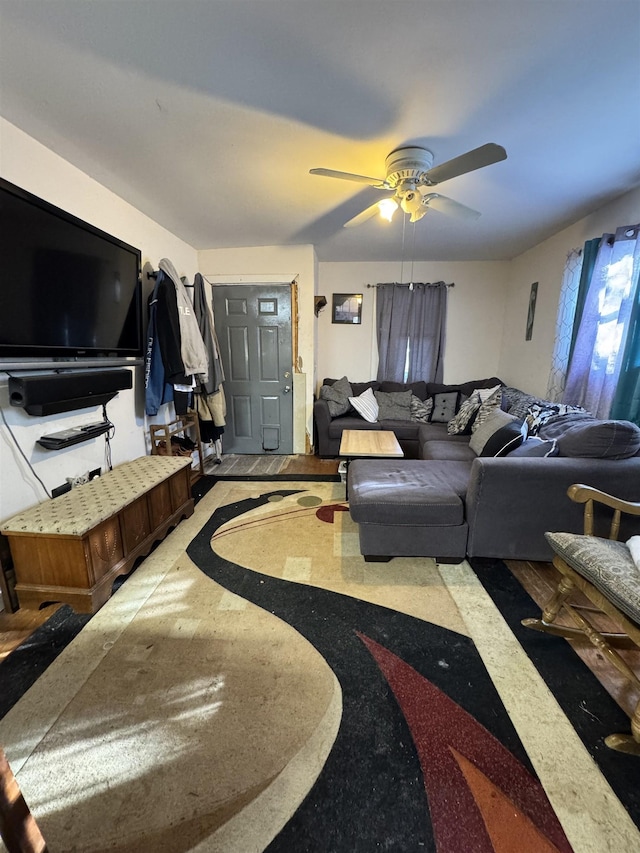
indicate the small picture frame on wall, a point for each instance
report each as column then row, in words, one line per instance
column 531, row 313
column 347, row 308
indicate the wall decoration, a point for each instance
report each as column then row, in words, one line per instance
column 347, row 308
column 533, row 295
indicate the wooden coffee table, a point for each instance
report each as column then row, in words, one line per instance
column 368, row 444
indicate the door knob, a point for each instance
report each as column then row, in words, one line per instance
column 286, row 389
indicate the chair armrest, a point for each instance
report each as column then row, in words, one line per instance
column 581, row 494
column 588, row 495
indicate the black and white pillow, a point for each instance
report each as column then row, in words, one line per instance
column 498, row 435
column 488, row 407
column 540, row 413
column 421, row 409
column 366, row 405
column 460, row 423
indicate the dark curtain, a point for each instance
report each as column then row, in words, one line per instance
column 411, row 321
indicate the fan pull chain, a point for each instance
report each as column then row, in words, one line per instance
column 402, row 254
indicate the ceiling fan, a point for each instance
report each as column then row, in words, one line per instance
column 410, row 176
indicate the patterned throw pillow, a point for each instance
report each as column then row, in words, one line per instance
column 488, row 408
column 337, row 397
column 460, row 424
column 366, row 405
column 516, row 402
column 539, row 413
column 421, row 409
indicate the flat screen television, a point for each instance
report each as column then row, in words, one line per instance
column 68, row 291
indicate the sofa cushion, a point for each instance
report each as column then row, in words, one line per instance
column 465, row 388
column 337, row 396
column 495, row 435
column 601, row 440
column 394, row 405
column 396, row 491
column 554, row 427
column 441, row 450
column 418, row 388
column 366, row 405
column 445, row 406
column 350, row 421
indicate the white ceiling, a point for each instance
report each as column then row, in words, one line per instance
column 208, row 116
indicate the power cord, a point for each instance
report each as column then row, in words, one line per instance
column 107, row 437
column 20, row 450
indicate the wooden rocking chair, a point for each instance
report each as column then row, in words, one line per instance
column 604, row 570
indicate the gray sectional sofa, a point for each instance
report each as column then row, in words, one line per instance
column 329, row 427
column 453, row 497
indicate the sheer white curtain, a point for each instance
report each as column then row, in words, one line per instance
column 411, row 322
column 596, row 360
column 564, row 325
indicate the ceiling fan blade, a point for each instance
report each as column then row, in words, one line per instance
column 361, row 217
column 485, row 155
column 449, row 206
column 348, row 176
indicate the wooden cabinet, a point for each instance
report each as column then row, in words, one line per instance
column 79, row 569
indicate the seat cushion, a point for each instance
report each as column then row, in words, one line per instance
column 607, row 564
column 398, row 492
column 455, row 450
column 81, row 509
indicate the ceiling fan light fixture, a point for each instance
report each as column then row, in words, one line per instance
column 412, row 204
column 387, row 207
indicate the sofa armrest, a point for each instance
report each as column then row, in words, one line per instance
column 512, row 501
column 322, row 418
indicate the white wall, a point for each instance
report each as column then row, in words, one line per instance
column 277, row 263
column 37, row 169
column 474, row 319
column 526, row 364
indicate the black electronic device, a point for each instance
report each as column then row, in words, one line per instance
column 69, row 290
column 74, row 435
column 50, row 394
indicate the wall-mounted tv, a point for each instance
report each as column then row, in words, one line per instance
column 68, row 291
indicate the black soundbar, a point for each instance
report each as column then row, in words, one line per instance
column 49, row 394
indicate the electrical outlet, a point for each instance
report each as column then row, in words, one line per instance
column 60, row 490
